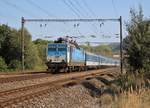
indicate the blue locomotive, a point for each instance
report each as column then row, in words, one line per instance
column 69, row 57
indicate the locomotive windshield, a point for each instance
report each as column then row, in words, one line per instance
column 51, row 49
column 57, row 52
column 57, row 49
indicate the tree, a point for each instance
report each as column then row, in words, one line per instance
column 103, row 50
column 87, row 47
column 137, row 43
column 115, row 47
column 3, row 66
column 4, row 31
column 15, row 65
column 32, row 59
column 10, row 48
column 41, row 46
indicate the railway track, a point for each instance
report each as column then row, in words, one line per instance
column 14, row 96
column 28, row 76
column 23, row 77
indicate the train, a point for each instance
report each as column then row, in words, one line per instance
column 68, row 57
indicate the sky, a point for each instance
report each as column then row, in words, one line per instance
column 11, row 12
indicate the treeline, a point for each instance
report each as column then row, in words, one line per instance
column 10, row 50
column 105, row 50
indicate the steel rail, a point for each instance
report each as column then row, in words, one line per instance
column 48, row 86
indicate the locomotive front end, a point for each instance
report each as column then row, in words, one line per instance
column 56, row 56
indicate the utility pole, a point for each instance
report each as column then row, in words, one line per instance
column 121, row 49
column 22, row 41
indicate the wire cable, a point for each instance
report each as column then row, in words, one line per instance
column 74, row 9
column 80, row 13
column 90, row 10
column 114, row 8
column 81, row 7
column 17, row 8
column 71, row 8
column 40, row 8
column 74, row 6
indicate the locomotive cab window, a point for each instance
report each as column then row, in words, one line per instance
column 52, row 49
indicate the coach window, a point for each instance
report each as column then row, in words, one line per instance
column 61, row 49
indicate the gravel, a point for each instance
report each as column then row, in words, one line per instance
column 87, row 94
column 71, row 97
column 84, row 95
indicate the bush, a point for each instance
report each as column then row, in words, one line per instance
column 3, row 66
column 130, row 82
column 15, row 65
